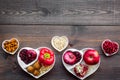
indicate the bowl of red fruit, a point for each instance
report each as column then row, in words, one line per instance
column 81, row 63
column 36, row 62
column 109, row 47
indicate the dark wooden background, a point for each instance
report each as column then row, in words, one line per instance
column 72, row 12
column 85, row 22
column 79, row 36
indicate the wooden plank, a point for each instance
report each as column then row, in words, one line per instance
column 79, row 36
column 69, row 12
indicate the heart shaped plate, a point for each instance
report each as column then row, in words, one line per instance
column 32, row 66
column 70, row 68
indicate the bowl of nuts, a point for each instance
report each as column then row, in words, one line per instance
column 10, row 46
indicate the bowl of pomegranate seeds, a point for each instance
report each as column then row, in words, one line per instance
column 109, row 47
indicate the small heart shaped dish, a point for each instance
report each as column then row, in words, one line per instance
column 59, row 43
column 10, row 46
column 109, row 47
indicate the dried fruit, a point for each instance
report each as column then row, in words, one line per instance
column 11, row 45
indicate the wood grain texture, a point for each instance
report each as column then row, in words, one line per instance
column 79, row 36
column 69, row 12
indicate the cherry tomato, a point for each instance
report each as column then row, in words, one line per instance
column 46, row 56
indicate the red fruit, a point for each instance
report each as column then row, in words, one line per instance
column 31, row 54
column 27, row 56
column 81, row 70
column 78, row 56
column 69, row 58
column 110, row 47
column 91, row 57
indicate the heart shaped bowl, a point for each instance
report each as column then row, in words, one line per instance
column 43, row 69
column 110, row 47
column 59, row 43
column 10, row 46
column 70, row 68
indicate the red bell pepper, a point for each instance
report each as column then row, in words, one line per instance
column 46, row 56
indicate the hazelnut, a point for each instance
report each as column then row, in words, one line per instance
column 30, row 69
column 37, row 65
column 36, row 73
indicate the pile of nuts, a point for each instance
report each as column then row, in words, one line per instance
column 37, row 68
column 11, row 46
column 34, row 69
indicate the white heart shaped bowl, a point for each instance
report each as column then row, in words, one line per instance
column 70, row 68
column 24, row 66
column 57, row 37
column 12, row 53
column 107, row 54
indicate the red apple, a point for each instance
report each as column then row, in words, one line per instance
column 91, row 57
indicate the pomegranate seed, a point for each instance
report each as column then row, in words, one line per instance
column 110, row 47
